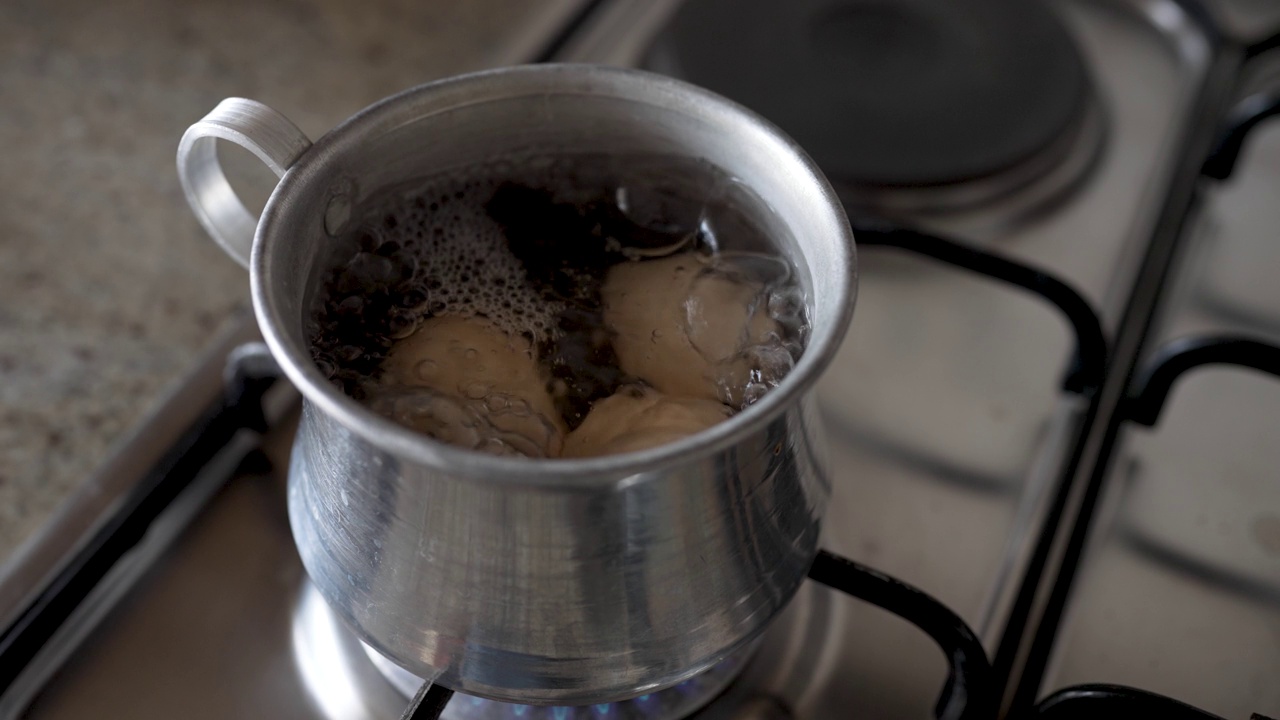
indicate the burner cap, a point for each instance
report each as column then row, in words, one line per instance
column 889, row 92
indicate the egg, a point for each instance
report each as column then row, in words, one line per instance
column 637, row 419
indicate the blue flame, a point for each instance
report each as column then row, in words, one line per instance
column 560, row 713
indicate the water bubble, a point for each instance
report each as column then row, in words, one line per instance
column 434, row 251
column 401, row 325
column 659, row 208
column 337, row 214
column 706, row 238
column 326, row 366
column 786, row 304
column 352, row 305
column 753, row 393
column 426, row 368
column 370, row 272
column 754, row 267
column 414, row 300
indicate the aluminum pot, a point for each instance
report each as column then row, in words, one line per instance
column 550, row 581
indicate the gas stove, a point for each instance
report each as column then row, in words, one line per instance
column 1045, row 505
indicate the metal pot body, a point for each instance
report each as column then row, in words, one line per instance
column 551, row 581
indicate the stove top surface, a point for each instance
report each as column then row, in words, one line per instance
column 953, row 442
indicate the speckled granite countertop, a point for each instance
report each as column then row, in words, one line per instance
column 108, row 287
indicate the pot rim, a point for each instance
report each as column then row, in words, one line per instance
column 504, row 83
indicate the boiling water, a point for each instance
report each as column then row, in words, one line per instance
column 560, row 308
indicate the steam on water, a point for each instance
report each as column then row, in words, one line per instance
column 560, row 308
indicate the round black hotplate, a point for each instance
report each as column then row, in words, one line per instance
column 888, row 92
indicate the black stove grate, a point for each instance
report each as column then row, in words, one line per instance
column 1170, row 362
column 1090, row 363
column 1144, row 405
column 429, row 703
column 968, row 693
column 1143, row 398
column 1117, row 702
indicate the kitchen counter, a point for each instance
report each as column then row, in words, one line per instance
column 109, row 288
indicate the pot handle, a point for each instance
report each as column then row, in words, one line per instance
column 253, row 126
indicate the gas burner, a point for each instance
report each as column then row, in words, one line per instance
column 349, row 681
column 906, row 104
column 673, row 703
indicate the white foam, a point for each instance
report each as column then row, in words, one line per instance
column 462, row 258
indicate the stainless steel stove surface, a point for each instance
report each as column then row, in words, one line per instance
column 983, row 436
column 1179, row 589
column 225, row 625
